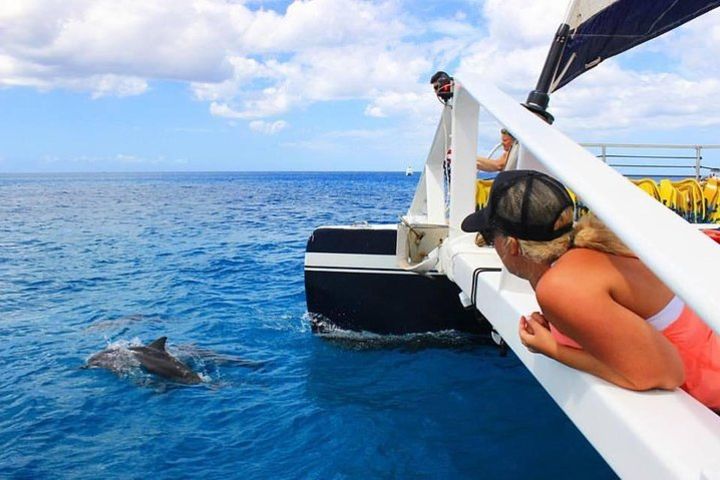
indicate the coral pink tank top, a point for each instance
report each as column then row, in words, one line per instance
column 698, row 345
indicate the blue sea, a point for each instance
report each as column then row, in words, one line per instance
column 214, row 261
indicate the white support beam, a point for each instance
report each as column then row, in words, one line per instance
column 464, row 153
column 429, row 199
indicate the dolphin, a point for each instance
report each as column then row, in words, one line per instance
column 152, row 357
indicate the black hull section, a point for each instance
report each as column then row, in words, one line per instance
column 379, row 300
column 387, row 303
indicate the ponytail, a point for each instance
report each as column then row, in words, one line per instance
column 588, row 232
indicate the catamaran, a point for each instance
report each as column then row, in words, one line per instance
column 425, row 274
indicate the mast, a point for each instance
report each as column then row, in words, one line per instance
column 538, row 99
column 595, row 30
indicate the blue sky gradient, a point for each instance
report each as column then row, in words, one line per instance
column 312, row 85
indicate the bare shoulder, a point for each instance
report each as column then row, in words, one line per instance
column 577, row 273
column 576, row 294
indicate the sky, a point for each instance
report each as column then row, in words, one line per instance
column 233, row 85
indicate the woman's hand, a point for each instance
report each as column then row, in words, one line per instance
column 540, row 318
column 536, row 336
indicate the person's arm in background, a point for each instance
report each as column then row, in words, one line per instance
column 492, row 165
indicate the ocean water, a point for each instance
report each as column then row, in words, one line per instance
column 214, row 261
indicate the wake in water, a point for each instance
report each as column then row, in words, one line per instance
column 410, row 342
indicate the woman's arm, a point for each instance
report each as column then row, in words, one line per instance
column 619, row 345
column 537, row 337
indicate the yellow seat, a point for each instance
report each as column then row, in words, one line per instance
column 711, row 190
column 482, row 192
column 648, row 186
column 692, row 197
column 684, row 204
column 668, row 194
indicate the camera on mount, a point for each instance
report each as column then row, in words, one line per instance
column 443, row 85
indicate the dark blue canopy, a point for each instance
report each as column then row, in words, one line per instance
column 620, row 26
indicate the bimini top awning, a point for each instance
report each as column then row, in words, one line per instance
column 600, row 29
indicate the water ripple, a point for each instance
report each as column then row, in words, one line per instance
column 215, row 262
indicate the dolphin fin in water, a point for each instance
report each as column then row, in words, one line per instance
column 158, row 344
column 155, row 359
column 152, row 357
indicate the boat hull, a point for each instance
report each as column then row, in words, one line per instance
column 352, row 282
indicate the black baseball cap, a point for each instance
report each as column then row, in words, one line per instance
column 524, row 204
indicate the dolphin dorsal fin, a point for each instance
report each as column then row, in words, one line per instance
column 158, row 344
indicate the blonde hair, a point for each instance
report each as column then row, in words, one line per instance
column 549, row 251
column 591, row 232
column 588, row 232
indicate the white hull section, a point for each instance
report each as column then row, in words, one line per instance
column 355, row 263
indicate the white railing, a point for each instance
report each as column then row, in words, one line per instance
column 649, row 434
column 688, row 158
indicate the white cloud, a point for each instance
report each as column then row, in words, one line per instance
column 322, row 23
column 616, row 100
column 419, row 105
column 244, row 71
column 117, row 85
column 268, row 128
column 206, row 42
column 251, row 63
column 121, row 38
column 223, row 110
column 696, row 46
column 321, row 74
column 523, row 24
column 678, row 87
